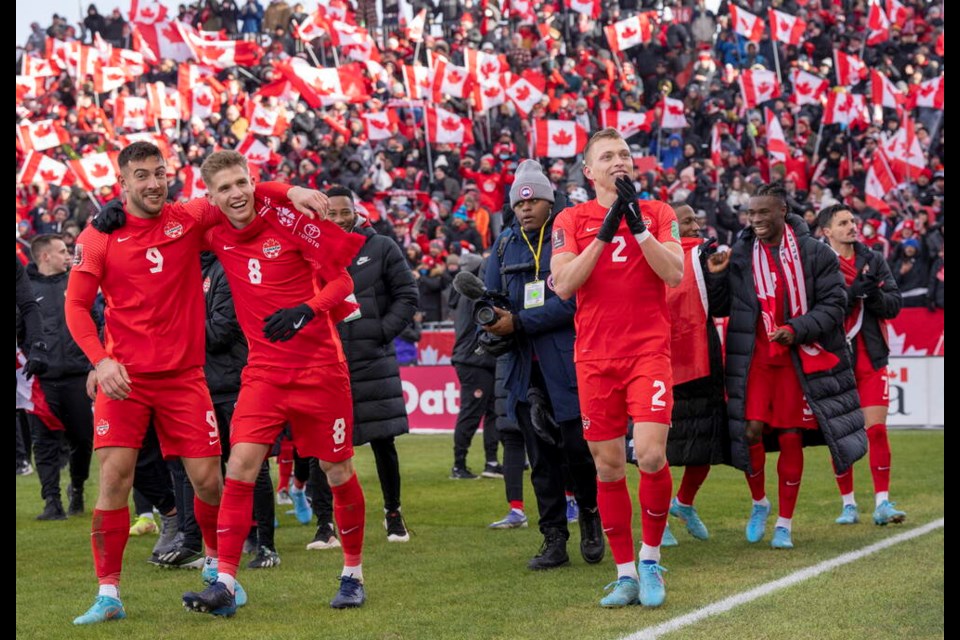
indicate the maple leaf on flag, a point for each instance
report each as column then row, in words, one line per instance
column 491, row 92
column 49, row 176
column 628, row 33
column 377, row 124
column 137, row 113
column 255, row 157
column 321, row 87
column 763, row 88
column 804, row 88
column 147, row 12
column 562, row 137
column 523, row 93
column 114, row 77
column 927, row 90
column 488, row 69
column 425, row 83
column 454, row 77
column 170, row 33
column 199, row 184
column 99, row 171
column 744, row 24
column 261, row 122
column 204, row 100
column 845, row 105
column 450, row 124
column 784, row 26
column 212, row 52
column 44, row 131
column 675, row 111
column 170, row 101
column 347, row 48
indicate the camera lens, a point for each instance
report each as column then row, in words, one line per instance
column 486, row 315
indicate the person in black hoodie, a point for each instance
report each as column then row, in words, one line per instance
column 65, row 383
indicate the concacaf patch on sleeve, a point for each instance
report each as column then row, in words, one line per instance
column 558, row 239
column 78, row 254
column 675, row 230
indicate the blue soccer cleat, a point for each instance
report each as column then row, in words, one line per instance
column 757, row 525
column 513, row 520
column 301, row 509
column 104, row 609
column 668, row 540
column 691, row 518
column 781, row 539
column 573, row 511
column 623, row 593
column 653, row 591
column 209, row 576
column 849, row 515
column 350, row 595
column 885, row 514
column 215, row 599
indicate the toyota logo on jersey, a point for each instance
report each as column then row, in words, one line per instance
column 312, row 230
column 271, row 248
column 173, row 229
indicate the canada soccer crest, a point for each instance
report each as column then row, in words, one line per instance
column 173, row 229
column 286, row 217
column 206, row 285
column 271, row 248
column 102, row 427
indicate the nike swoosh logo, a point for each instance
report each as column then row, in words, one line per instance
column 591, row 229
column 656, row 515
column 346, row 532
column 299, row 323
column 883, row 468
column 124, row 239
column 228, row 247
column 223, row 530
column 40, row 298
column 213, row 442
column 608, row 530
column 792, row 484
column 339, row 449
column 363, row 260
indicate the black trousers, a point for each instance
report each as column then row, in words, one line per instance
column 476, row 403
column 388, row 470
column 152, row 482
column 514, row 457
column 67, row 398
column 23, row 438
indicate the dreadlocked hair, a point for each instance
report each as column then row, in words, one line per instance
column 772, row 190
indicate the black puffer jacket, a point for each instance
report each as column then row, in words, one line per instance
column 63, row 356
column 885, row 305
column 832, row 395
column 387, row 295
column 226, row 346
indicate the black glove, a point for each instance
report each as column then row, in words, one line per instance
column 611, row 222
column 864, row 285
column 37, row 365
column 707, row 249
column 544, row 426
column 110, row 218
column 631, row 210
column 283, row 324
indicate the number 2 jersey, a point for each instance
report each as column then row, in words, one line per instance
column 622, row 307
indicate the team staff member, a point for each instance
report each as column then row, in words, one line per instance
column 618, row 256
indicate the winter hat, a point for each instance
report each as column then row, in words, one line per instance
column 529, row 182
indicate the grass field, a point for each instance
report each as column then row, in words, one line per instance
column 457, row 579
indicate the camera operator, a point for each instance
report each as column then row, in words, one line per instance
column 540, row 378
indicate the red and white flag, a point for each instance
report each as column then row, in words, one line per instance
column 131, row 113
column 254, row 151
column 897, row 13
column 220, row 54
column 777, row 148
column 380, row 125
column 415, row 29
column 883, row 92
column 524, row 94
column 268, row 122
column 673, row 116
column 930, row 93
column 204, row 101
column 878, row 24
column 451, row 80
column 758, row 85
column 807, row 87
column 485, row 67
column 325, row 86
column 354, row 42
column 747, row 24
column 629, row 122
column 132, row 62
column 630, row 32
column 716, row 146
column 157, row 139
column 590, row 8
column 38, row 67
column 445, row 127
column 522, row 9
column 418, row 81
column 193, row 185
column 312, row 28
column 904, row 151
column 29, row 87
column 850, row 68
column 96, row 170
column 37, row 166
column 163, row 40
column 42, row 135
column 846, row 108
column 106, row 79
column 147, row 11
column 487, row 95
column 558, row 138
column 336, row 10
column 786, row 28
column 163, row 103
column 880, row 181
column 30, row 397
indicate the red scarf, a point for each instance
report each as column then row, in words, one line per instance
column 689, row 348
column 813, row 357
column 854, row 320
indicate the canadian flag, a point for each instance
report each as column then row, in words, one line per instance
column 415, row 29
column 221, row 54
column 777, row 148
column 716, row 146
column 29, row 87
column 524, row 94
column 850, row 68
column 418, row 81
column 131, row 113
column 143, row 136
column 930, row 93
column 325, row 86
column 312, row 28
column 807, row 87
column 38, row 67
column 193, row 185
column 354, row 42
column 449, row 79
column 42, row 135
column 880, row 181
column 192, row 75
column 904, row 152
column 254, row 151
column 106, row 79
column 558, row 138
column 629, row 122
column 132, row 62
column 589, row 8
column 445, row 127
column 523, row 9
column 883, row 92
column 204, row 101
column 673, row 114
column 878, row 23
column 786, row 28
column 630, row 32
column 163, row 103
column 147, row 11
column 85, row 59
column 96, row 170
column 37, row 166
column 268, row 122
column 898, row 13
column 336, row 10
column 62, row 54
column 380, row 124
column 846, row 108
column 487, row 95
column 758, row 85
column 485, row 67
column 31, row 398
column 747, row 24
column 164, row 40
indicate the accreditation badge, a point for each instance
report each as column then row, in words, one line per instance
column 534, row 294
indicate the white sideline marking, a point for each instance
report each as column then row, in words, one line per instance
column 787, row 581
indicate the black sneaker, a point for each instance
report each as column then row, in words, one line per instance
column 325, row 538
column 76, row 506
column 53, row 510
column 396, row 527
column 351, row 594
column 266, row 558
column 492, row 470
column 180, row 557
column 462, row 473
column 592, row 545
column 215, row 599
column 553, row 552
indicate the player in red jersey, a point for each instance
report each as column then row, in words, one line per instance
column 872, row 298
column 296, row 370
column 149, row 273
column 618, row 255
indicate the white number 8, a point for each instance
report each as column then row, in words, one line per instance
column 253, row 266
column 339, row 431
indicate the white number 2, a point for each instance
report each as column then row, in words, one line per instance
column 621, row 243
column 253, row 267
column 339, row 431
column 154, row 256
column 657, row 400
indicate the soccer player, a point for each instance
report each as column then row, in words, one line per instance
column 872, row 298
column 154, row 351
column 618, row 255
column 296, row 371
column 787, row 371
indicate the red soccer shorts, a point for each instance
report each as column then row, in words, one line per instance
column 775, row 397
column 611, row 391
column 316, row 401
column 180, row 406
column 873, row 385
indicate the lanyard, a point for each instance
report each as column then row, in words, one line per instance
column 536, row 254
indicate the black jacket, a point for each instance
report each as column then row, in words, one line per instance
column 832, row 395
column 387, row 295
column 63, row 356
column 28, row 311
column 885, row 305
column 465, row 329
column 226, row 346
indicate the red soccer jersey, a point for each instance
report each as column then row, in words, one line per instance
column 267, row 271
column 622, row 307
column 149, row 272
